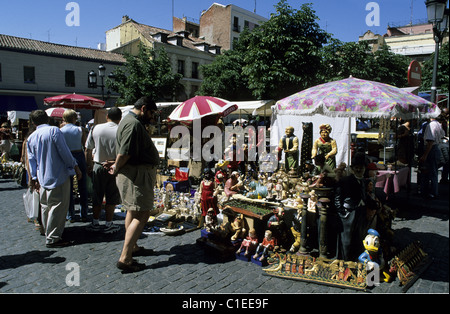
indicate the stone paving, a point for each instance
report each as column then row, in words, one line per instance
column 180, row 266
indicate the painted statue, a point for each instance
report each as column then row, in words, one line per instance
column 325, row 145
column 290, row 145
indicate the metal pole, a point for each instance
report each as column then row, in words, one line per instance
column 435, row 67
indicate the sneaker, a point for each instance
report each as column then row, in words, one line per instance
column 93, row 227
column 111, row 228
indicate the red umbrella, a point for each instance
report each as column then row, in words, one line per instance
column 56, row 112
column 74, row 101
column 202, row 106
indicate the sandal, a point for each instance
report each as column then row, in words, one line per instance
column 130, row 268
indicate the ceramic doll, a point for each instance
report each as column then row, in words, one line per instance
column 211, row 220
column 238, row 228
column 325, row 145
column 267, row 245
column 250, row 243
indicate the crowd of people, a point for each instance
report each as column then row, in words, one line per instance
column 121, row 160
column 119, row 157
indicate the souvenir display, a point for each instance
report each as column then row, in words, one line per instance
column 289, row 144
column 211, row 220
column 307, row 143
column 409, row 264
column 309, row 220
column 238, row 228
column 336, row 272
column 372, row 257
column 265, row 247
column 249, row 244
column 325, row 145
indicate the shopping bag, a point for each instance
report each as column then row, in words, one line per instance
column 31, row 202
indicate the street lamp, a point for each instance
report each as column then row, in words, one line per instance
column 101, row 73
column 92, row 79
column 438, row 16
column 435, row 10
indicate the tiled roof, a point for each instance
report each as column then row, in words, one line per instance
column 147, row 31
column 41, row 47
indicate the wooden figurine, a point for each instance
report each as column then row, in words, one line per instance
column 238, row 228
column 289, row 144
column 325, row 145
column 250, row 243
column 267, row 245
column 211, row 220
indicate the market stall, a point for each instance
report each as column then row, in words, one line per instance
column 335, row 103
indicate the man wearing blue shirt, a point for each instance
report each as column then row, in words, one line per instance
column 51, row 166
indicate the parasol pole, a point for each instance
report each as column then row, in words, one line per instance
column 349, row 149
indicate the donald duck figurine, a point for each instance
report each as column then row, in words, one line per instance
column 373, row 256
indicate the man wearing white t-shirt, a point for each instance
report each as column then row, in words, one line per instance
column 430, row 158
column 100, row 149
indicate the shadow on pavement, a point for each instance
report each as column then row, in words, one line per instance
column 31, row 257
column 185, row 254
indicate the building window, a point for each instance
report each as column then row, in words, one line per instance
column 194, row 90
column 70, row 78
column 247, row 24
column 0, row 72
column 195, row 70
column 181, row 67
column 236, row 26
column 28, row 75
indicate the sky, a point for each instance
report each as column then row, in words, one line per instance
column 56, row 20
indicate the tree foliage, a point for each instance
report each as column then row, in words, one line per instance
column 442, row 70
column 342, row 60
column 224, row 78
column 147, row 74
column 290, row 53
column 283, row 52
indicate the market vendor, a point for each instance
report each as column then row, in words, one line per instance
column 289, row 144
column 325, row 145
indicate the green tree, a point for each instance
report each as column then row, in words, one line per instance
column 146, row 74
column 390, row 68
column 442, row 70
column 342, row 60
column 283, row 55
column 224, row 78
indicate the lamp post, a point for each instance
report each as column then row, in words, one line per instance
column 101, row 73
column 92, row 79
column 438, row 16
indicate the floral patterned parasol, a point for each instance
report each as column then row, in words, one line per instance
column 354, row 97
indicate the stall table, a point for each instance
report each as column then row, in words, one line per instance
column 391, row 181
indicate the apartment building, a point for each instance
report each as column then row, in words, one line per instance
column 31, row 70
column 186, row 52
column 222, row 24
column 414, row 41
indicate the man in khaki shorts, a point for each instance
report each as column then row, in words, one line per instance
column 135, row 166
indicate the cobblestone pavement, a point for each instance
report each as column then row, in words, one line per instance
column 180, row 266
